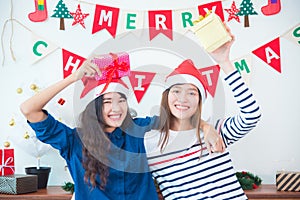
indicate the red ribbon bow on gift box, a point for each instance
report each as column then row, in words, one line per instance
column 115, row 70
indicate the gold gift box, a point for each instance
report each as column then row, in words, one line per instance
column 211, row 32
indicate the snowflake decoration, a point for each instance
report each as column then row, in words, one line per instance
column 232, row 12
column 78, row 17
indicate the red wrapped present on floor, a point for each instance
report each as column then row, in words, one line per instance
column 7, row 162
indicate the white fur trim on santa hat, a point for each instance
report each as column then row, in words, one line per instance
column 112, row 87
column 186, row 78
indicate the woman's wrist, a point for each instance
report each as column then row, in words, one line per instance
column 227, row 66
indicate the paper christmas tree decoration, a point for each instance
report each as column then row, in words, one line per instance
column 62, row 12
column 246, row 9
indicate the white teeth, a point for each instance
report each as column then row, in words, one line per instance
column 115, row 116
column 181, row 107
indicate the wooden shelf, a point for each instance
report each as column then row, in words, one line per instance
column 269, row 192
column 57, row 193
column 50, row 193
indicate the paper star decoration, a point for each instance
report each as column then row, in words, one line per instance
column 78, row 17
column 232, row 12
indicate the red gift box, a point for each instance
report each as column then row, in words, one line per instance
column 113, row 65
column 7, row 162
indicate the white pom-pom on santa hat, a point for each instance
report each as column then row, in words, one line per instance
column 186, row 72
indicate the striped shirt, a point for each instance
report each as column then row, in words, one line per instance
column 179, row 171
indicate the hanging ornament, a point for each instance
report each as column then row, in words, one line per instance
column 232, row 12
column 34, row 87
column 26, row 135
column 6, row 144
column 19, row 90
column 78, row 17
column 12, row 122
column 40, row 14
column 61, row 101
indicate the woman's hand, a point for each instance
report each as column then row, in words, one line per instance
column 88, row 69
column 212, row 139
column 221, row 54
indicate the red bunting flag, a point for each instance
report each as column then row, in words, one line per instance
column 270, row 54
column 140, row 82
column 71, row 62
column 160, row 21
column 211, row 75
column 106, row 18
column 215, row 7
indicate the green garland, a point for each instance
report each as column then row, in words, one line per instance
column 248, row 181
column 69, row 187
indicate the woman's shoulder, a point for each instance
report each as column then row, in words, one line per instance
column 144, row 121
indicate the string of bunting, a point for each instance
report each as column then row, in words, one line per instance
column 269, row 52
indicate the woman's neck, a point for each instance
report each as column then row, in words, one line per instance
column 109, row 129
column 181, row 125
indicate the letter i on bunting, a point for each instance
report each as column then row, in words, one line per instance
column 270, row 54
column 140, row 82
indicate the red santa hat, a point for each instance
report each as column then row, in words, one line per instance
column 102, row 86
column 186, row 72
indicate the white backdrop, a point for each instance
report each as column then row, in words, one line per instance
column 272, row 146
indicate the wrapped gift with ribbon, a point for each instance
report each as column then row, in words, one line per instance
column 7, row 162
column 112, row 66
column 210, row 31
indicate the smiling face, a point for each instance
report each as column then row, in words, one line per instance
column 183, row 100
column 115, row 109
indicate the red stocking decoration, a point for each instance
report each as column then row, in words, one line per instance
column 272, row 8
column 40, row 14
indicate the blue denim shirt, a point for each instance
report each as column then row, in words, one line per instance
column 129, row 176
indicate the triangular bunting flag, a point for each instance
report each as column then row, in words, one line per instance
column 40, row 48
column 270, row 54
column 130, row 21
column 211, row 75
column 160, row 21
column 106, row 18
column 71, row 62
column 215, row 7
column 243, row 65
column 140, row 82
column 293, row 34
column 183, row 19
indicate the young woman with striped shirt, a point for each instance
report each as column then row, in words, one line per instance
column 178, row 158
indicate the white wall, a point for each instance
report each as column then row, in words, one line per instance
column 273, row 145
